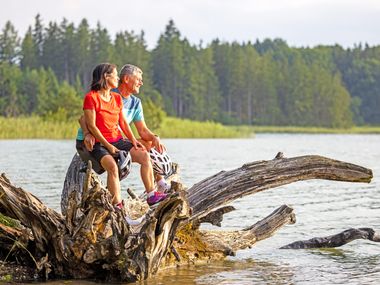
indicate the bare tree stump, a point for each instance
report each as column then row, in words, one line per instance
column 94, row 240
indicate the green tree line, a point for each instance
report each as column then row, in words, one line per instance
column 47, row 71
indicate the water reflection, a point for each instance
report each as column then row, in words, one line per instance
column 227, row 272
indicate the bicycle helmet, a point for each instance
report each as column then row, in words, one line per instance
column 161, row 162
column 124, row 164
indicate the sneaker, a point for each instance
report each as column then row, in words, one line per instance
column 156, row 197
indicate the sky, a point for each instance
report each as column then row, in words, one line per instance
column 301, row 23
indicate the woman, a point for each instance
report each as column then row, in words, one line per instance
column 103, row 115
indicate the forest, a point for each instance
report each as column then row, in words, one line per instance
column 47, row 71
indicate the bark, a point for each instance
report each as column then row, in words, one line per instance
column 94, row 240
column 336, row 240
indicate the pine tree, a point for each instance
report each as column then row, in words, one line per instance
column 101, row 46
column 29, row 57
column 53, row 50
column 9, row 44
column 38, row 39
column 9, row 100
column 169, row 69
column 82, row 54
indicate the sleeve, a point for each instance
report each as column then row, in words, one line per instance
column 89, row 103
column 139, row 115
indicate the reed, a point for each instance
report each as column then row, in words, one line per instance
column 35, row 127
column 183, row 128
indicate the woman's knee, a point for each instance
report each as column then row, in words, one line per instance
column 109, row 164
column 140, row 156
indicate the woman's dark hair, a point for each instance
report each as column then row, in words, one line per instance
column 98, row 79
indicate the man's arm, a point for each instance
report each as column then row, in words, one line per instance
column 88, row 138
column 128, row 132
column 147, row 135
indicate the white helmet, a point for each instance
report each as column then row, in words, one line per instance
column 161, row 162
column 124, row 164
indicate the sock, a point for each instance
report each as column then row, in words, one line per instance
column 162, row 183
column 134, row 222
column 119, row 205
column 151, row 193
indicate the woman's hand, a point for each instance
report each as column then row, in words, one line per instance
column 112, row 149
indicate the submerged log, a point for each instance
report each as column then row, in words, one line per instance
column 94, row 240
column 336, row 240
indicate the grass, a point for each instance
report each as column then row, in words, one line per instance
column 183, row 128
column 37, row 128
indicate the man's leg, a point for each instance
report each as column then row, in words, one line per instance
column 161, row 182
column 146, row 170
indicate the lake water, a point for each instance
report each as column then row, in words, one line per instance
column 322, row 207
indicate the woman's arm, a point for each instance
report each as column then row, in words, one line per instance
column 88, row 138
column 128, row 132
column 90, row 116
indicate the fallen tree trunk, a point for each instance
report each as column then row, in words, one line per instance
column 255, row 177
column 336, row 240
column 94, row 240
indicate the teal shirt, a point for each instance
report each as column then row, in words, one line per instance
column 80, row 136
column 132, row 111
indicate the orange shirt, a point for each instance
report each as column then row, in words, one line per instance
column 107, row 114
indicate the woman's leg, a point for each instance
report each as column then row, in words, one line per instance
column 113, row 182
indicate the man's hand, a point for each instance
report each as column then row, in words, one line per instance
column 156, row 142
column 89, row 141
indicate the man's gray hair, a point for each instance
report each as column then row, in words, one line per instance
column 129, row 69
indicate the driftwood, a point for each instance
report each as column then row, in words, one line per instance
column 336, row 240
column 94, row 240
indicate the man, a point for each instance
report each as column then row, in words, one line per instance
column 129, row 84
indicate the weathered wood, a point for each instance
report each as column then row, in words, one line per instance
column 94, row 240
column 205, row 245
column 251, row 178
column 215, row 217
column 336, row 240
column 73, row 182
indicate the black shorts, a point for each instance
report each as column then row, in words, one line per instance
column 99, row 150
